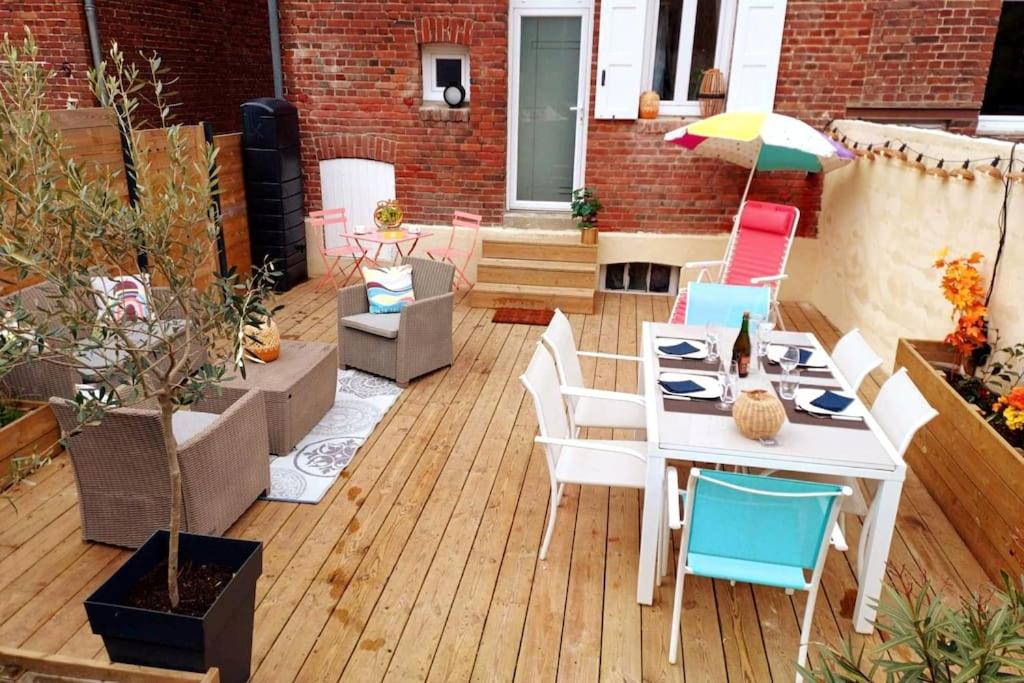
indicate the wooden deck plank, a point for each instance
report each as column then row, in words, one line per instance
column 421, row 561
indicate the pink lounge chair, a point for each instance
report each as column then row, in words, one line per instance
column 756, row 255
column 332, row 256
column 460, row 219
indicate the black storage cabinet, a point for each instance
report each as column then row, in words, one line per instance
column 273, row 187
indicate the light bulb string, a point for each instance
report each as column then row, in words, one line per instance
column 902, row 146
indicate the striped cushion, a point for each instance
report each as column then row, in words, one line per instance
column 389, row 290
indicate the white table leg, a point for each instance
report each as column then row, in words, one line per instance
column 882, row 523
column 654, row 494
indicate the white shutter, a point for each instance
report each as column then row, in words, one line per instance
column 755, row 55
column 357, row 185
column 620, row 49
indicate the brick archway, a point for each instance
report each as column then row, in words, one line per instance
column 355, row 146
column 444, row 29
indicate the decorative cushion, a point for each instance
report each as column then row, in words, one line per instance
column 123, row 298
column 380, row 324
column 187, row 423
column 767, row 217
column 388, row 290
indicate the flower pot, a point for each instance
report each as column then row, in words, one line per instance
column 588, row 235
column 263, row 342
column 220, row 638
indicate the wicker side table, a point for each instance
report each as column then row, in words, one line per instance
column 299, row 388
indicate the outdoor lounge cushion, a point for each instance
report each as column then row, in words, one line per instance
column 188, row 423
column 381, row 324
column 103, row 360
column 388, row 290
column 121, row 297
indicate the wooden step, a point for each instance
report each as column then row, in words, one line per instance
column 535, row 250
column 545, row 273
column 569, row 299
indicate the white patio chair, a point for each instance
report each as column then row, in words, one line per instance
column 571, row 460
column 855, row 358
column 754, row 529
column 589, row 407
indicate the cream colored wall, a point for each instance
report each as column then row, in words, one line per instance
column 619, row 247
column 883, row 222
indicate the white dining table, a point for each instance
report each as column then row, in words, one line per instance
column 824, row 447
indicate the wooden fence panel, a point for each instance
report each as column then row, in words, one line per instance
column 232, row 201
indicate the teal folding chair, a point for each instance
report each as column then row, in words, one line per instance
column 715, row 304
column 754, row 529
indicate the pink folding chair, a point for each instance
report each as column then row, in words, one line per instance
column 460, row 219
column 757, row 253
column 332, row 256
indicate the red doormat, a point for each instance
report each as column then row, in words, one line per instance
column 523, row 316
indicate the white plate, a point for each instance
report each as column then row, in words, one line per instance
column 817, row 359
column 805, row 395
column 712, row 388
column 700, row 354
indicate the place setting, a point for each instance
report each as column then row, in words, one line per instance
column 781, row 359
column 815, row 405
column 685, row 392
column 687, row 354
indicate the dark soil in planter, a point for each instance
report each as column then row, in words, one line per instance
column 972, row 390
column 198, row 588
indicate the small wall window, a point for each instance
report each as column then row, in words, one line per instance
column 444, row 65
column 640, row 278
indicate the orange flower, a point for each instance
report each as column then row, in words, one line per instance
column 1015, row 398
column 962, row 286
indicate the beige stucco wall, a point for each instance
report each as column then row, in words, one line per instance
column 882, row 223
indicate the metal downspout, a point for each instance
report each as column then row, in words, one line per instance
column 94, row 46
column 275, row 48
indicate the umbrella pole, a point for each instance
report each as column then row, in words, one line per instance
column 746, row 190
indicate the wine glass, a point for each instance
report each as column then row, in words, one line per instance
column 711, row 340
column 790, row 359
column 728, row 377
column 789, row 385
column 764, row 331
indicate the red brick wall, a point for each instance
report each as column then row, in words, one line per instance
column 354, row 70
column 218, row 51
column 59, row 30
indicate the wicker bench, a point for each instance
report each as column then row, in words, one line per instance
column 299, row 387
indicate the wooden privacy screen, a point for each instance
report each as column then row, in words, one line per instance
column 92, row 138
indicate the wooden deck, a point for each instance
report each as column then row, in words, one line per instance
column 421, row 562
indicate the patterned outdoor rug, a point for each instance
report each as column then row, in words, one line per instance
column 305, row 474
column 523, row 316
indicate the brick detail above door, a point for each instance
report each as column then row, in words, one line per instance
column 455, row 30
column 353, row 146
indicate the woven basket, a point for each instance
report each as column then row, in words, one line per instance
column 712, row 93
column 758, row 414
column 263, row 342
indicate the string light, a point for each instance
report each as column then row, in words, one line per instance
column 901, row 153
column 992, row 170
column 917, row 164
column 962, row 173
column 938, row 171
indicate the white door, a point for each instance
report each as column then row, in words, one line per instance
column 549, row 64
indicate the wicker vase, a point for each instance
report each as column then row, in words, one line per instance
column 650, row 102
column 758, row 414
column 712, row 93
column 263, row 342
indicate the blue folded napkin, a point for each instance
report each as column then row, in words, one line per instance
column 683, row 348
column 685, row 387
column 832, row 402
column 805, row 355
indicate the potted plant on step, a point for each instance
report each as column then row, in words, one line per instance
column 585, row 207
column 169, row 327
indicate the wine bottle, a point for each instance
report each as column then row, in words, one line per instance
column 741, row 349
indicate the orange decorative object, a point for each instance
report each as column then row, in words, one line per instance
column 388, row 215
column 263, row 342
column 711, row 94
column 962, row 287
column 650, row 102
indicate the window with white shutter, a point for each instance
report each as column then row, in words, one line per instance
column 620, row 48
column 755, row 55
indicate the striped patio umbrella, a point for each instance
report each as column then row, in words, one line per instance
column 762, row 142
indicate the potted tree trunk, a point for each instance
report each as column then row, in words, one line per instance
column 585, row 207
column 133, row 284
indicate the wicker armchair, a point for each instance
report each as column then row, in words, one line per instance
column 400, row 345
column 39, row 378
column 120, row 468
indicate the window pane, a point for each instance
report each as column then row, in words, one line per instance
column 705, row 40
column 666, row 48
column 614, row 276
column 448, row 71
column 1004, row 94
column 638, row 276
column 661, row 277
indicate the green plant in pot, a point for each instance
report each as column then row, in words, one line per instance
column 65, row 225
column 585, row 207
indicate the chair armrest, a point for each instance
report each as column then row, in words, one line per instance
column 768, row 278
column 352, row 300
column 591, row 445
column 39, row 379
column 603, row 395
column 610, row 356
column 675, row 519
column 430, row 315
column 243, row 413
column 702, row 264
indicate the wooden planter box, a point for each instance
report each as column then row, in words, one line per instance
column 35, row 431
column 24, row 666
column 970, row 470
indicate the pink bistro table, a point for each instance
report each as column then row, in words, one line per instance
column 386, row 237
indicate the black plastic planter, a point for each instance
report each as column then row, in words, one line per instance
column 221, row 638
